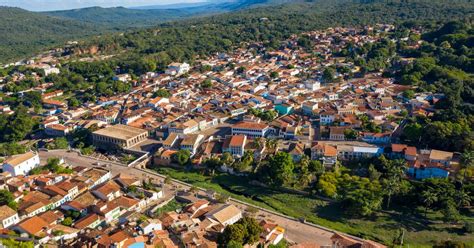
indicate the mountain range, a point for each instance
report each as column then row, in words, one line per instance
column 25, row 32
column 121, row 18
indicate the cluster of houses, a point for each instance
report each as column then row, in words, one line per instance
column 91, row 208
column 52, row 207
column 343, row 118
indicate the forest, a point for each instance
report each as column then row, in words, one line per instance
column 190, row 39
column 27, row 33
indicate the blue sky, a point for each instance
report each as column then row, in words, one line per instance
column 44, row 5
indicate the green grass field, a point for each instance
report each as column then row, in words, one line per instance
column 384, row 227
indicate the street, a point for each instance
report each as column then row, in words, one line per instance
column 296, row 231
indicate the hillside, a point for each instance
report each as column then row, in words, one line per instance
column 24, row 32
column 186, row 39
column 121, row 18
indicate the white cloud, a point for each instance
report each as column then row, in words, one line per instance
column 44, row 5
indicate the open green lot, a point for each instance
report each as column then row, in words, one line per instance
column 384, row 227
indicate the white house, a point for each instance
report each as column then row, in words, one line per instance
column 50, row 70
column 21, row 164
column 8, row 217
column 225, row 215
column 151, row 225
column 187, row 127
column 235, row 145
column 326, row 118
column 176, row 69
column 349, row 152
column 308, row 108
column 251, row 129
column 312, row 85
column 191, row 142
column 123, row 77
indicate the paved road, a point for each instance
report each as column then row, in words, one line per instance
column 295, row 231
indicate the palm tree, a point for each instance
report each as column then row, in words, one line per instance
column 463, row 198
column 395, row 173
column 272, row 144
column 429, row 198
column 259, row 143
column 467, row 162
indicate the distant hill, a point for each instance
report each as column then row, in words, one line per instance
column 121, row 18
column 185, row 39
column 24, row 32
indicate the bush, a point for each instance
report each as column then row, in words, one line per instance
column 469, row 227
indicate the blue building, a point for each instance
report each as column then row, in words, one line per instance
column 283, row 109
column 424, row 173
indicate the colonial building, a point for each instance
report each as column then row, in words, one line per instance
column 21, row 164
column 119, row 135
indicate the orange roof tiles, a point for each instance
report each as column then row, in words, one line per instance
column 250, row 125
column 33, row 225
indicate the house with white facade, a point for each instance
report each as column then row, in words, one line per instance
column 8, row 217
column 235, row 145
column 192, row 142
column 21, row 164
column 251, row 129
column 225, row 215
column 176, row 69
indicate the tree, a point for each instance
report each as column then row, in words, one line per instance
column 235, row 232
column 67, row 221
column 73, row 102
column 193, row 189
column 182, row 157
column 450, row 212
column 162, row 93
column 274, row 74
column 409, row 94
column 272, row 144
column 304, row 175
column 61, row 143
column 281, row 167
column 206, row 84
column 429, row 198
column 245, row 231
column 227, row 158
column 18, row 244
column 394, row 173
column 245, row 162
column 350, row 134
column 467, row 162
column 329, row 74
column 259, row 143
column 12, row 148
column 327, row 184
column 222, row 198
column 233, row 244
column 212, row 164
column 412, row 132
column 20, row 125
column 361, row 195
column 253, row 230
column 6, row 198
column 316, row 167
column 167, row 180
